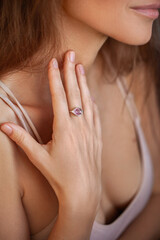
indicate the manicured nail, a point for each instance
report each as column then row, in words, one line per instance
column 81, row 69
column 72, row 56
column 6, row 129
column 55, row 63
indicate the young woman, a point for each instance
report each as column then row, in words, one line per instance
column 87, row 165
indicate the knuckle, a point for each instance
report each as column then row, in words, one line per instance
column 70, row 66
column 89, row 101
column 89, row 134
column 60, row 93
column 74, row 93
column 96, row 107
column 19, row 137
column 63, row 124
column 68, row 69
column 70, row 136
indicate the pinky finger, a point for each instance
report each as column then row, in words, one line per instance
column 97, row 123
column 98, row 132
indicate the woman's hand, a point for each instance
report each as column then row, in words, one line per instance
column 71, row 161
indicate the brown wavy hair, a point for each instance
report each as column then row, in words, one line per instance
column 29, row 30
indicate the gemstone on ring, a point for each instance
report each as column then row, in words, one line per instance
column 77, row 111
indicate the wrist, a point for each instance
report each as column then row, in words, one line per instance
column 72, row 224
column 80, row 209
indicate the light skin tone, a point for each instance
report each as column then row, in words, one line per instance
column 87, row 29
column 76, row 90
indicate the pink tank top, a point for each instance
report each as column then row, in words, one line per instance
column 99, row 231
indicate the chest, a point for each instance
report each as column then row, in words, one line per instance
column 121, row 172
column 121, row 158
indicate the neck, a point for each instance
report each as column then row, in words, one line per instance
column 33, row 89
column 84, row 40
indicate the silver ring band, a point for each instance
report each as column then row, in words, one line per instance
column 77, row 111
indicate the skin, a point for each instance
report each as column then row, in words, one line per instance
column 40, row 199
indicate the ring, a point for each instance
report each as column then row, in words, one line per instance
column 77, row 111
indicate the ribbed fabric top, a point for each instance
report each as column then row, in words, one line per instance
column 115, row 229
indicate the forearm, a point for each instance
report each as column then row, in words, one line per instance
column 147, row 225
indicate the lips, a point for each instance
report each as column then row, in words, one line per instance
column 150, row 6
column 150, row 11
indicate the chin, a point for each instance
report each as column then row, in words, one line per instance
column 135, row 37
column 137, row 41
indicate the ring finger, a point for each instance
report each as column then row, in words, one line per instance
column 70, row 82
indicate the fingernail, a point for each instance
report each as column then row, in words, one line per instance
column 55, row 63
column 6, row 129
column 72, row 56
column 81, row 69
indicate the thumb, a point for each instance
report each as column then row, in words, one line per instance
column 35, row 152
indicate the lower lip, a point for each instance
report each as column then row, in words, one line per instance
column 150, row 13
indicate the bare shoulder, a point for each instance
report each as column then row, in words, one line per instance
column 12, row 218
column 7, row 147
column 150, row 118
column 9, row 150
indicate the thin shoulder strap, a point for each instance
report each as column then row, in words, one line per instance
column 129, row 97
column 16, row 110
column 13, row 98
column 148, row 172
